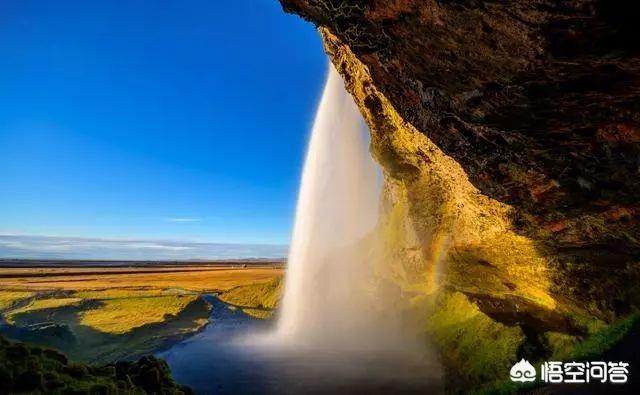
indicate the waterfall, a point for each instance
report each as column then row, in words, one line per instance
column 327, row 272
column 340, row 328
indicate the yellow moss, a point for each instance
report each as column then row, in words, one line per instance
column 503, row 266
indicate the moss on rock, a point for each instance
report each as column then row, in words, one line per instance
column 478, row 349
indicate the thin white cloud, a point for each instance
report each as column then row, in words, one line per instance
column 182, row 219
column 54, row 247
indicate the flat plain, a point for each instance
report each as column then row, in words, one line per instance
column 103, row 313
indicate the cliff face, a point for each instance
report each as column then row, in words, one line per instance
column 509, row 134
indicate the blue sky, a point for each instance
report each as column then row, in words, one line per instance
column 154, row 120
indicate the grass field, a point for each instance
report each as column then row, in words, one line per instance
column 41, row 304
column 258, row 299
column 192, row 278
column 120, row 315
column 104, row 308
column 9, row 297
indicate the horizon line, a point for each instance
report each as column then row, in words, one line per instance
column 140, row 239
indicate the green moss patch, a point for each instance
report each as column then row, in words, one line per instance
column 476, row 349
column 595, row 345
column 569, row 348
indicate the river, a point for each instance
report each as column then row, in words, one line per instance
column 217, row 360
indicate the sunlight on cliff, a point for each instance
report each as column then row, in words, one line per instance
column 437, row 230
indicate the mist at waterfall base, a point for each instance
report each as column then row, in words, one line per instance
column 337, row 331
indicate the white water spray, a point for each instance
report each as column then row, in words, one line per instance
column 339, row 329
column 327, row 274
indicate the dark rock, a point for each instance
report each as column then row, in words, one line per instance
column 56, row 356
column 509, row 136
column 29, row 381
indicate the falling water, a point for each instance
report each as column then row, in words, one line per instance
column 339, row 331
column 337, row 207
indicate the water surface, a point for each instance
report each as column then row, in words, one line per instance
column 218, row 360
